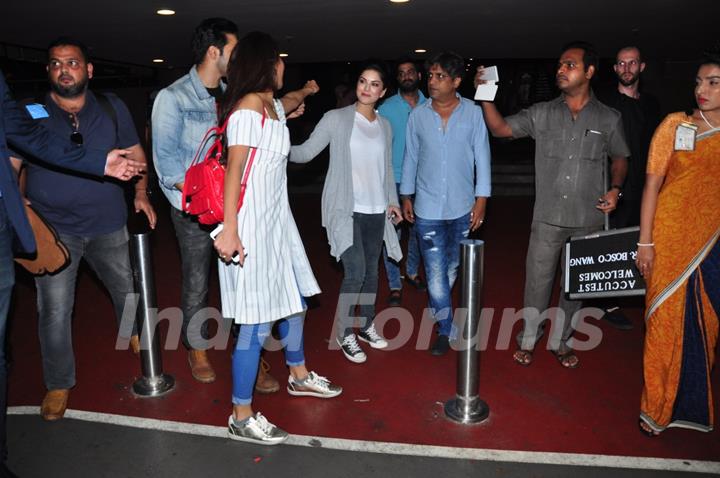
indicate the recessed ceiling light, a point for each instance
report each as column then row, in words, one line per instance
column 158, row 60
column 165, row 11
column 399, row 1
column 420, row 50
column 284, row 55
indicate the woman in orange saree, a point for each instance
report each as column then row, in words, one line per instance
column 679, row 255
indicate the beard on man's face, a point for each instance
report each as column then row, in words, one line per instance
column 408, row 86
column 627, row 79
column 70, row 91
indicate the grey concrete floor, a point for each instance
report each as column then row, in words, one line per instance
column 74, row 448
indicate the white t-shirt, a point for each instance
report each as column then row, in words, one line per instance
column 367, row 153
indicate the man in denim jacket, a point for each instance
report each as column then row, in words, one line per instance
column 182, row 114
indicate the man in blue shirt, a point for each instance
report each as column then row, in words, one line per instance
column 88, row 214
column 397, row 110
column 447, row 168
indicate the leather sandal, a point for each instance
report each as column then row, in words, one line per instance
column 566, row 359
column 646, row 429
column 523, row 357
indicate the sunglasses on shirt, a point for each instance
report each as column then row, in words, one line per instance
column 76, row 137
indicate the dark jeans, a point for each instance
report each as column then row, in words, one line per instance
column 413, row 255
column 360, row 264
column 196, row 253
column 7, row 279
column 109, row 258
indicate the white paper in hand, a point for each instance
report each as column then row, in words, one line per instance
column 487, row 91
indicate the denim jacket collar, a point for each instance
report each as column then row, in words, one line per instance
column 197, row 84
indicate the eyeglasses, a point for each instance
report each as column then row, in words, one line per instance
column 437, row 76
column 76, row 137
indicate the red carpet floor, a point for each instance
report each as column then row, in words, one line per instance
column 396, row 395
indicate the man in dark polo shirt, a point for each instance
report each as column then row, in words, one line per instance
column 18, row 129
column 89, row 214
column 574, row 134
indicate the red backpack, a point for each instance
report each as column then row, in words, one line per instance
column 202, row 194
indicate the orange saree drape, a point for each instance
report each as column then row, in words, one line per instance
column 683, row 293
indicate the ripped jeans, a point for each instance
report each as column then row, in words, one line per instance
column 246, row 357
column 439, row 241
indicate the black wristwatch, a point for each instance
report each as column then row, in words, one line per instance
column 619, row 188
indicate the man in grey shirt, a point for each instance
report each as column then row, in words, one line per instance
column 574, row 135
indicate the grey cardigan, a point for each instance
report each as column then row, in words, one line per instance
column 335, row 128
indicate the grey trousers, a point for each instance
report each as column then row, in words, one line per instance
column 547, row 246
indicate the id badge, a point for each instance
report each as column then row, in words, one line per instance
column 37, row 111
column 685, row 137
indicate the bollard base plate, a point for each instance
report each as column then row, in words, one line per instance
column 154, row 386
column 476, row 413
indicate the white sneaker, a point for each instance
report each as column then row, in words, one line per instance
column 352, row 349
column 371, row 336
column 256, row 430
column 313, row 386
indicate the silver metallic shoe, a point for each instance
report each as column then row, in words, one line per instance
column 256, row 430
column 313, row 386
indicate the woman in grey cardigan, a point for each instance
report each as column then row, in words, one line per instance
column 359, row 202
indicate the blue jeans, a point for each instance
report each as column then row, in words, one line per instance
column 109, row 258
column 246, row 357
column 439, row 241
column 196, row 254
column 7, row 280
column 412, row 262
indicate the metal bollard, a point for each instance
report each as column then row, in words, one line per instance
column 154, row 382
column 466, row 406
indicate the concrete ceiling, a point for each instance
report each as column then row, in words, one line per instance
column 335, row 30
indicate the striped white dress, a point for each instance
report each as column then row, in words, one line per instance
column 276, row 271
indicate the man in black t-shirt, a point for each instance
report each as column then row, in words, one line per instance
column 640, row 115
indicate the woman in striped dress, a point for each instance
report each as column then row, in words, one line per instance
column 272, row 272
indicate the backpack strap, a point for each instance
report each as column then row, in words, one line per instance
column 251, row 159
column 109, row 109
